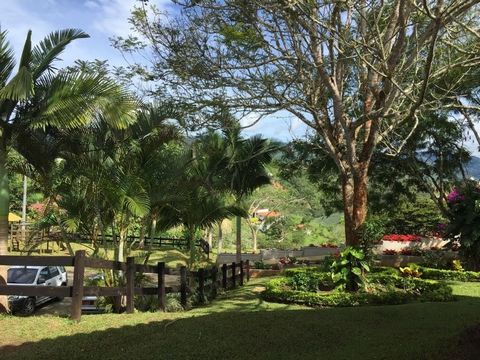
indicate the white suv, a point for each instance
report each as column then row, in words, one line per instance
column 31, row 276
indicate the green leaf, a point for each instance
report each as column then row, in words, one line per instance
column 7, row 60
column 47, row 51
column 20, row 87
column 357, row 271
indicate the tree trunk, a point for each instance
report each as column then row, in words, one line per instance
column 209, row 236
column 141, row 244
column 220, row 237
column 355, row 198
column 153, row 232
column 238, row 257
column 122, row 237
column 4, row 208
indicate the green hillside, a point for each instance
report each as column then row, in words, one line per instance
column 300, row 219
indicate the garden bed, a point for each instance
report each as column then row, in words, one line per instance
column 311, row 287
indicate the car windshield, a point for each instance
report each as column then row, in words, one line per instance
column 21, row 276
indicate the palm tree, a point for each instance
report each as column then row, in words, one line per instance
column 188, row 200
column 247, row 161
column 40, row 97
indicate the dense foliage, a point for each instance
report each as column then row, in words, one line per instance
column 385, row 288
column 464, row 205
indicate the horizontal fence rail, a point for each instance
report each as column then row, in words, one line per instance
column 207, row 280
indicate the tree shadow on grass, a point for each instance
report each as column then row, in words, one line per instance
column 414, row 331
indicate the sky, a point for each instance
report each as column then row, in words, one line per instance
column 102, row 19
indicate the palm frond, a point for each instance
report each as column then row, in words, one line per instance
column 20, row 87
column 74, row 100
column 48, row 50
column 7, row 60
column 26, row 57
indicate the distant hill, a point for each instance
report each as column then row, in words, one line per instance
column 473, row 167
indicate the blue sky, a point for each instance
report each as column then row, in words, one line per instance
column 102, row 19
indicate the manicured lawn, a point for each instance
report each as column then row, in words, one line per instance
column 242, row 326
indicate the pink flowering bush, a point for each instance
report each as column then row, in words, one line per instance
column 455, row 196
column 464, row 206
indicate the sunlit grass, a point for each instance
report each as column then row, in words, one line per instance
column 239, row 325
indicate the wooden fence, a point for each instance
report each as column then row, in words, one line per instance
column 211, row 279
column 22, row 239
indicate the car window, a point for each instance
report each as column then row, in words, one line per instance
column 62, row 269
column 44, row 273
column 21, row 276
column 53, row 271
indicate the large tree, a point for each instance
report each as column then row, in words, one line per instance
column 39, row 97
column 352, row 71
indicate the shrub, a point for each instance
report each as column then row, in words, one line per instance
column 309, row 279
column 437, row 274
column 434, row 259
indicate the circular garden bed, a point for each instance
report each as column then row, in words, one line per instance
column 313, row 287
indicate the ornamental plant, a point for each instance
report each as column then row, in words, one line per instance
column 402, row 238
column 348, row 271
column 390, row 252
column 464, row 206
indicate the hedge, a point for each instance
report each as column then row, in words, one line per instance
column 437, row 274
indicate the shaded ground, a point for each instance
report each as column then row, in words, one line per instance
column 468, row 344
column 242, row 326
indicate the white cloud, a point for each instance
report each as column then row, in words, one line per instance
column 111, row 15
column 17, row 21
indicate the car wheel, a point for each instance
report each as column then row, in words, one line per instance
column 28, row 307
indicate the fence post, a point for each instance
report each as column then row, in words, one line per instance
column 224, row 276
column 201, row 285
column 241, row 273
column 130, row 284
column 248, row 270
column 77, row 289
column 183, row 286
column 234, row 270
column 214, row 282
column 162, row 301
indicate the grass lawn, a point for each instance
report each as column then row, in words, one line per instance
column 240, row 325
column 171, row 256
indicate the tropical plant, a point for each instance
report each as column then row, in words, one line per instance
column 39, row 98
column 356, row 89
column 412, row 270
column 348, row 271
column 247, row 161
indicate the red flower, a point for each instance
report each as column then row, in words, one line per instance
column 402, row 238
